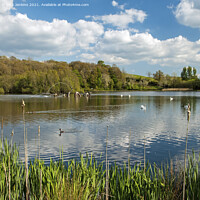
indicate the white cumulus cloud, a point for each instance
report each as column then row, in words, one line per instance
column 6, row 6
column 124, row 18
column 188, row 13
column 90, row 41
column 115, row 4
column 21, row 36
column 122, row 47
column 88, row 32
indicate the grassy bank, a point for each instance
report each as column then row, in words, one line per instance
column 86, row 179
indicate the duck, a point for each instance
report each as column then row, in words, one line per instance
column 30, row 112
column 61, row 131
column 143, row 107
column 23, row 103
column 12, row 133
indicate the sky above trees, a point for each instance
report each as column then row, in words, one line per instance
column 138, row 36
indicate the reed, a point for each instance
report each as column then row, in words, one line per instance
column 2, row 131
column 86, row 179
column 9, row 176
column 185, row 157
column 107, row 165
column 26, row 167
column 144, row 154
column 129, row 154
column 40, row 170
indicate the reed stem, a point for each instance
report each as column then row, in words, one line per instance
column 2, row 132
column 9, row 178
column 144, row 155
column 106, row 166
column 39, row 140
column 40, row 184
column 26, row 167
column 39, row 162
column 185, row 158
column 129, row 155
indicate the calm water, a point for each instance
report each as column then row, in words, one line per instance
column 162, row 126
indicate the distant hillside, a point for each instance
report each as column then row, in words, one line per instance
column 33, row 77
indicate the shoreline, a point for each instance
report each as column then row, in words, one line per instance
column 177, row 89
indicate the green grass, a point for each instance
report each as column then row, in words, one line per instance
column 85, row 179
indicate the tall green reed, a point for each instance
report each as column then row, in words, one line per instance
column 2, row 131
column 86, row 179
column 185, row 157
column 107, row 166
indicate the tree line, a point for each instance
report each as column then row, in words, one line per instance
column 187, row 79
column 34, row 77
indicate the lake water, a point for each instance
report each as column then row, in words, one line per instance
column 162, row 127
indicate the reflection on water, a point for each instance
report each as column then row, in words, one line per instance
column 84, row 122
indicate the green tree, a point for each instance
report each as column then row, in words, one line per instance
column 99, row 78
column 189, row 72
column 101, row 62
column 184, row 74
column 194, row 72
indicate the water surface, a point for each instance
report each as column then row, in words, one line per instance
column 162, row 127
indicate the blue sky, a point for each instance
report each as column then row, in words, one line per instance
column 139, row 36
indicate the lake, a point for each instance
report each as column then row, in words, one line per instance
column 162, row 127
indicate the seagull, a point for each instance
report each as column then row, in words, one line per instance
column 143, row 107
column 171, row 99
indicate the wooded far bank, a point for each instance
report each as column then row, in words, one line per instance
column 34, row 77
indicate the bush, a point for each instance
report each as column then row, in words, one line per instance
column 1, row 90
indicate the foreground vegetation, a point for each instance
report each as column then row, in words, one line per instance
column 86, row 179
column 34, row 77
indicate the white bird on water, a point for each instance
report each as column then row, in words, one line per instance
column 121, row 95
column 187, row 107
column 171, row 98
column 129, row 96
column 143, row 107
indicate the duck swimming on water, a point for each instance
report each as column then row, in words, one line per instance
column 12, row 133
column 61, row 131
column 23, row 103
column 143, row 107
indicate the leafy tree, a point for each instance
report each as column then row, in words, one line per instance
column 101, row 62
column 189, row 72
column 184, row 74
column 159, row 75
column 194, row 72
column 99, row 78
